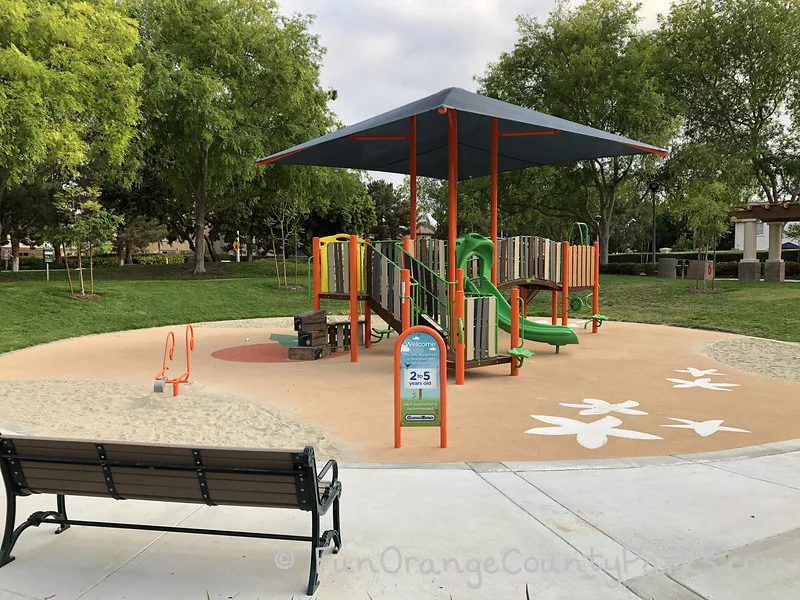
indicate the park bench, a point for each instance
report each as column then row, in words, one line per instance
column 197, row 475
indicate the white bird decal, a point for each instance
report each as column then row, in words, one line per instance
column 704, row 383
column 704, row 428
column 593, row 406
column 589, row 435
column 698, row 372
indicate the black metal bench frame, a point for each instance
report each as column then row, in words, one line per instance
column 306, row 477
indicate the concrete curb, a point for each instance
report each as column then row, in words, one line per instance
column 769, row 449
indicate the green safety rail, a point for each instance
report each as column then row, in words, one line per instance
column 581, row 234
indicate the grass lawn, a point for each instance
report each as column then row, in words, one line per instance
column 762, row 309
column 33, row 311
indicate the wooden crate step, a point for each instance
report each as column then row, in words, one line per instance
column 310, row 317
column 309, row 352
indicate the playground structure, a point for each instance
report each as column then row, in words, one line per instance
column 402, row 282
column 449, row 135
column 161, row 380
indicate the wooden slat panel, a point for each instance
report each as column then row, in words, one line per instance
column 55, row 472
column 49, row 486
column 56, row 448
column 255, row 483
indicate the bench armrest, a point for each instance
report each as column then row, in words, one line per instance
column 326, row 468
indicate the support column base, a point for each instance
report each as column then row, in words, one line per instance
column 749, row 270
column 774, row 270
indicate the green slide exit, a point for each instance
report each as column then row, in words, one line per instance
column 474, row 244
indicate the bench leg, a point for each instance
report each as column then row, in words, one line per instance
column 337, row 527
column 62, row 510
column 8, row 533
column 313, row 577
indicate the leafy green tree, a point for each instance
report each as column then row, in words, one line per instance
column 793, row 232
column 226, row 81
column 593, row 65
column 68, row 87
column 734, row 68
column 392, row 210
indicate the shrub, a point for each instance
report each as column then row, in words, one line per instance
column 792, row 269
column 628, row 268
column 105, row 261
column 159, row 259
column 722, row 256
column 727, row 269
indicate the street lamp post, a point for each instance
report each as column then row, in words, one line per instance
column 654, row 185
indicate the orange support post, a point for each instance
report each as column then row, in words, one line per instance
column 514, row 327
column 412, row 164
column 452, row 190
column 316, row 269
column 458, row 346
column 367, row 309
column 458, row 319
column 596, row 290
column 405, row 311
column 554, row 307
column 353, row 298
column 565, row 286
column 493, row 195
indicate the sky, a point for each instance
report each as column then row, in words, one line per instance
column 382, row 54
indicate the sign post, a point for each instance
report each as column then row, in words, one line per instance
column 420, row 382
column 236, row 246
column 49, row 256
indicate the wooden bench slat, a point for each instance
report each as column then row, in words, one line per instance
column 49, row 486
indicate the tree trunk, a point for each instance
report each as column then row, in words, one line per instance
column 4, row 176
column 249, row 249
column 121, row 252
column 275, row 255
column 128, row 253
column 91, row 268
column 14, row 254
column 80, row 270
column 69, row 275
column 57, row 256
column 211, row 252
column 604, row 235
column 283, row 250
column 200, row 216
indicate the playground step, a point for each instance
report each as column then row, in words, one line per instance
column 309, row 352
column 312, row 317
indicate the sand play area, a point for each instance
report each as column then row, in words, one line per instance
column 631, row 390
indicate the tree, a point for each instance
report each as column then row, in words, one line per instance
column 392, row 210
column 226, row 81
column 793, row 232
column 68, row 86
column 590, row 64
column 734, row 68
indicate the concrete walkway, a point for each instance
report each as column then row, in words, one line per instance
column 718, row 526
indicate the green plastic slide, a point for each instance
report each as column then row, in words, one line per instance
column 474, row 244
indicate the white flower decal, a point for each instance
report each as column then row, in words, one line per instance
column 593, row 406
column 704, row 382
column 698, row 372
column 704, row 428
column 589, row 435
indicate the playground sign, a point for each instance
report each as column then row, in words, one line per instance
column 420, row 382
